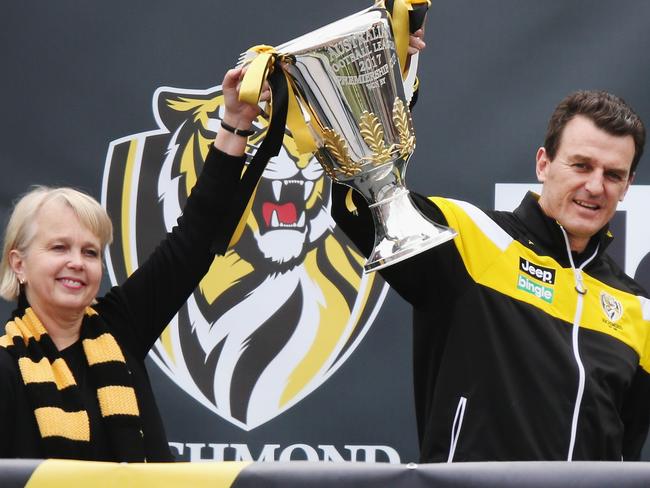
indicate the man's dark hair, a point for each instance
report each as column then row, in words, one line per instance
column 608, row 112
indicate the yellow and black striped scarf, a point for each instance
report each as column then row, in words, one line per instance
column 62, row 420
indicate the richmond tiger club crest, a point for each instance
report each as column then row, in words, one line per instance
column 283, row 309
column 612, row 308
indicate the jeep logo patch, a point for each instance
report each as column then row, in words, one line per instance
column 545, row 275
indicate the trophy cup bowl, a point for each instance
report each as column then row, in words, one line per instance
column 348, row 80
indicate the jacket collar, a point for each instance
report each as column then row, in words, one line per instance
column 547, row 232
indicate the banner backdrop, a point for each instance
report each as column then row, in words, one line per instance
column 287, row 351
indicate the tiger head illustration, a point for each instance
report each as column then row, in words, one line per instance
column 283, row 308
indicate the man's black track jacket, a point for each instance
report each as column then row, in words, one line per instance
column 500, row 370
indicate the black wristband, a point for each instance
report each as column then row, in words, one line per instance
column 237, row 132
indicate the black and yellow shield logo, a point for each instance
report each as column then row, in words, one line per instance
column 283, row 309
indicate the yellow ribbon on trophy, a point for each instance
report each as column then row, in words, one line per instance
column 401, row 28
column 258, row 70
column 251, row 88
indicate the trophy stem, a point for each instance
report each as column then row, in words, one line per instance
column 401, row 231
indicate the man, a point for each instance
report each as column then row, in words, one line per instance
column 530, row 343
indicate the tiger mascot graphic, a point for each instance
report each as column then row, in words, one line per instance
column 283, row 309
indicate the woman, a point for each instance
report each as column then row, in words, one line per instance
column 73, row 382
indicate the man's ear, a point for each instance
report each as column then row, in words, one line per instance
column 541, row 164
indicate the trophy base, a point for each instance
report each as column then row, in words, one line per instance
column 377, row 261
column 402, row 232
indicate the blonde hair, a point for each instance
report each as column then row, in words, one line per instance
column 21, row 228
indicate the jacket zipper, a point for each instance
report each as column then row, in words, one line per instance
column 582, row 291
column 455, row 429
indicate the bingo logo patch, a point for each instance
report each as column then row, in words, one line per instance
column 533, row 279
column 283, row 309
column 612, row 308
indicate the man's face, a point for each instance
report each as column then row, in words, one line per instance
column 588, row 177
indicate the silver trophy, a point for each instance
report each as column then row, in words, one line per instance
column 348, row 80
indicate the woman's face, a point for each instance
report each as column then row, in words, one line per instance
column 62, row 266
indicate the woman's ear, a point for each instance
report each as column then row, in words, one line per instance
column 17, row 263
